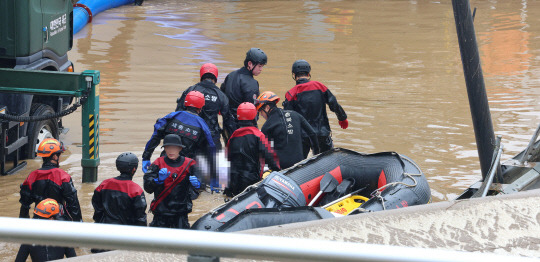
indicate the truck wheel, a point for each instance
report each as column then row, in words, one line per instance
column 40, row 130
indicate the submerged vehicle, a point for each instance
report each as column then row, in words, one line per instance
column 388, row 179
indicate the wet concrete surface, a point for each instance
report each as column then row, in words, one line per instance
column 505, row 225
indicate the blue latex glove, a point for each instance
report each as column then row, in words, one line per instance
column 163, row 174
column 194, row 181
column 214, row 186
column 145, row 165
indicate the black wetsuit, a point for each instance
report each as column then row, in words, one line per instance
column 248, row 149
column 170, row 209
column 309, row 98
column 50, row 182
column 284, row 129
column 119, row 201
column 240, row 86
column 216, row 102
column 43, row 253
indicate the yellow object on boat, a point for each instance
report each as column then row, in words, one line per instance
column 347, row 205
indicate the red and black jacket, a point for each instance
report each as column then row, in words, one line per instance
column 175, row 199
column 248, row 150
column 284, row 128
column 309, row 98
column 50, row 182
column 119, row 201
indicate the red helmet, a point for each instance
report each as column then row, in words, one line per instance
column 209, row 68
column 246, row 111
column 194, row 99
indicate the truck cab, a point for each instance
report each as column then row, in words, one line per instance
column 35, row 35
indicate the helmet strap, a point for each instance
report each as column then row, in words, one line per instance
column 271, row 107
column 253, row 66
column 57, row 160
column 51, row 160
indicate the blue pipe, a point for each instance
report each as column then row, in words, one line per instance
column 81, row 16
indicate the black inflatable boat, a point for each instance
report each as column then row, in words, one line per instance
column 389, row 180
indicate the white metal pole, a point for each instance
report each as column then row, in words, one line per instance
column 233, row 245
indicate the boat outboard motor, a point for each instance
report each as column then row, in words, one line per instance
column 278, row 190
column 275, row 191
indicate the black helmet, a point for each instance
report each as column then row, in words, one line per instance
column 301, row 66
column 173, row 140
column 256, row 56
column 125, row 162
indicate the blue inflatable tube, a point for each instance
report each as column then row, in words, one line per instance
column 84, row 10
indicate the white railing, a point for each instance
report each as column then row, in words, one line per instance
column 232, row 245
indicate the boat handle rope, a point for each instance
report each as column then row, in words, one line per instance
column 377, row 192
column 235, row 198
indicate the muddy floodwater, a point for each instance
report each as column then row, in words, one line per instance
column 394, row 66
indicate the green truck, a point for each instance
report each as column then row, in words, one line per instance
column 34, row 35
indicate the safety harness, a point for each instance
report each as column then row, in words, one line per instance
column 167, row 191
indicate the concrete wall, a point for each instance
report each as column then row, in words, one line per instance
column 507, row 225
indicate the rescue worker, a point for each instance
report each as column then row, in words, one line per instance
column 239, row 85
column 168, row 178
column 284, row 129
column 216, row 103
column 46, row 209
column 191, row 128
column 309, row 98
column 50, row 182
column 248, row 150
column 119, row 200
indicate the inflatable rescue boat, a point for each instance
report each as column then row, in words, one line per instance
column 383, row 180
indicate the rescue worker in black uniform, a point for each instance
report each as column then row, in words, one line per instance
column 284, row 129
column 50, row 182
column 119, row 200
column 239, row 85
column 248, row 150
column 216, row 103
column 309, row 98
column 168, row 179
column 46, row 209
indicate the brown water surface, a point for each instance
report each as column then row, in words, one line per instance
column 393, row 65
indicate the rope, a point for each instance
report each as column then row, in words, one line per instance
column 377, row 192
column 234, row 198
